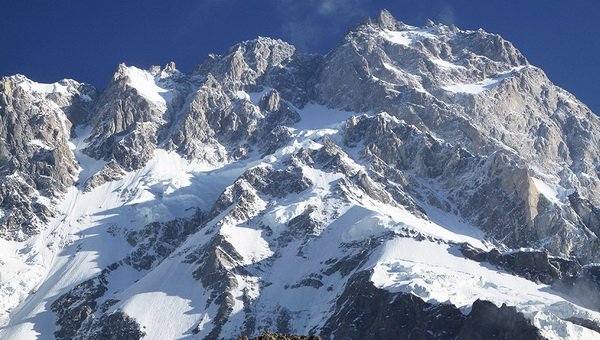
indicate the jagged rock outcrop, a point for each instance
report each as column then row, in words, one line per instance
column 245, row 63
column 117, row 325
column 207, row 116
column 36, row 163
column 276, row 336
column 468, row 87
column 130, row 112
column 366, row 312
column 565, row 275
column 498, row 192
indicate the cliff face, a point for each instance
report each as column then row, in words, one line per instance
column 36, row 162
column 419, row 171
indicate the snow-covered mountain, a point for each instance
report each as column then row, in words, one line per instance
column 414, row 182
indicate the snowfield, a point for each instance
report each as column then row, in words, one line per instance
column 483, row 85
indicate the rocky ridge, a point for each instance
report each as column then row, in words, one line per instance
column 36, row 161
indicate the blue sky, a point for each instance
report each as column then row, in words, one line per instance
column 86, row 40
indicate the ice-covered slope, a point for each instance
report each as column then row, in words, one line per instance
column 378, row 191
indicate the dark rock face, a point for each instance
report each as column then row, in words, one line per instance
column 75, row 309
column 366, row 312
column 565, row 275
column 486, row 321
column 117, row 326
column 266, row 181
column 588, row 212
column 532, row 265
column 585, row 287
column 112, row 171
column 156, row 240
column 300, row 227
column 277, row 336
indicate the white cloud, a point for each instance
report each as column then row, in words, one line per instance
column 305, row 21
column 446, row 15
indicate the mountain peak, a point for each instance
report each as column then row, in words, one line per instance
column 64, row 86
column 386, row 20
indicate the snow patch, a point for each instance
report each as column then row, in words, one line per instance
column 85, row 98
column 169, row 292
column 242, row 95
column 483, row 85
column 407, row 37
column 147, row 85
column 248, row 243
column 317, row 117
column 554, row 193
column 41, row 144
column 254, row 97
column 445, row 64
column 41, row 88
column 363, row 223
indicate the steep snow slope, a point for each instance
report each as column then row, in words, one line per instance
column 87, row 233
